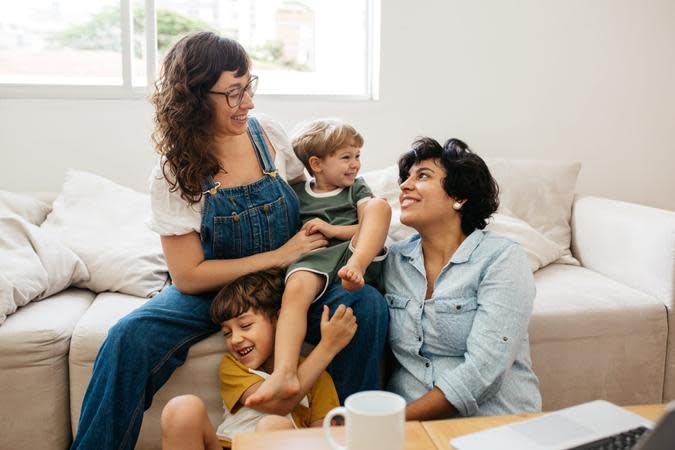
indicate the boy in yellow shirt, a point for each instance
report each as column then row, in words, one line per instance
column 247, row 310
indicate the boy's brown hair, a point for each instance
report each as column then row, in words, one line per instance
column 322, row 138
column 260, row 291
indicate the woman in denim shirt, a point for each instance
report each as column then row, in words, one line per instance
column 459, row 298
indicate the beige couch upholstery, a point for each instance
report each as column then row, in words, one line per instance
column 634, row 245
column 599, row 330
column 34, row 378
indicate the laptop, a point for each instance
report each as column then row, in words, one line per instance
column 586, row 426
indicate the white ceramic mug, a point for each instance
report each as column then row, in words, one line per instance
column 374, row 420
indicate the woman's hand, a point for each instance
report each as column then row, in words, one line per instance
column 299, row 245
column 337, row 332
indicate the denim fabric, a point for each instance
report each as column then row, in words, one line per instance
column 470, row 338
column 254, row 218
column 357, row 367
column 144, row 348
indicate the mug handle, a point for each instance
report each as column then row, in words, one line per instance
column 339, row 411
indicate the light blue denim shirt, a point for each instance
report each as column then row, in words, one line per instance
column 470, row 338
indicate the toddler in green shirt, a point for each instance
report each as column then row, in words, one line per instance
column 342, row 208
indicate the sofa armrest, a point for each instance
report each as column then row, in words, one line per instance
column 630, row 243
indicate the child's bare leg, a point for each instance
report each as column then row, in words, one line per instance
column 302, row 287
column 374, row 226
column 273, row 423
column 186, row 425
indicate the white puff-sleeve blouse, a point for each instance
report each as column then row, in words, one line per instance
column 172, row 215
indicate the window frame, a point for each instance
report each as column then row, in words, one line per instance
column 127, row 91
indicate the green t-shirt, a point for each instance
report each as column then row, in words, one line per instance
column 337, row 207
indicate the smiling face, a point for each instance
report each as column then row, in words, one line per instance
column 423, row 199
column 229, row 121
column 338, row 169
column 250, row 339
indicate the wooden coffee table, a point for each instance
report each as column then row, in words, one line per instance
column 430, row 435
column 416, row 438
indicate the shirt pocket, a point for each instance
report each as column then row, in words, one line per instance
column 401, row 321
column 453, row 321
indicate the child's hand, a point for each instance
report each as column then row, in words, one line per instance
column 319, row 226
column 339, row 330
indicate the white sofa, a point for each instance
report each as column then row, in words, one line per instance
column 599, row 329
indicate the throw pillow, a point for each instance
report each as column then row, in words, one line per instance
column 540, row 250
column 384, row 183
column 30, row 208
column 33, row 264
column 540, row 193
column 104, row 224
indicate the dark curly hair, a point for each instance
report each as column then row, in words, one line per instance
column 467, row 178
column 259, row 291
column 183, row 132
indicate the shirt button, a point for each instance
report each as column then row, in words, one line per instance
column 426, row 364
column 505, row 339
column 458, row 307
column 419, row 338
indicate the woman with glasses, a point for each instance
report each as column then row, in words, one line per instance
column 223, row 207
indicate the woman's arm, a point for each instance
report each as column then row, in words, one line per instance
column 192, row 274
column 431, row 405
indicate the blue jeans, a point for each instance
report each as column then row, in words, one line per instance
column 144, row 348
column 357, row 367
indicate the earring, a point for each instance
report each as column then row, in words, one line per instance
column 457, row 206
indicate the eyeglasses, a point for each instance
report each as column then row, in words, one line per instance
column 235, row 96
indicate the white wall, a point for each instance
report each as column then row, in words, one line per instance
column 549, row 79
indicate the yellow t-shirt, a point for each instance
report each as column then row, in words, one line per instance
column 235, row 379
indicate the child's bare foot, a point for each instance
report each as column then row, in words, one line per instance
column 351, row 276
column 277, row 386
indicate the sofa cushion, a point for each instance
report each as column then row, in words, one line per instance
column 540, row 250
column 541, row 193
column 616, row 334
column 34, row 345
column 104, row 224
column 33, row 264
column 31, row 208
column 198, row 376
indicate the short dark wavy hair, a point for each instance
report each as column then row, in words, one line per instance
column 468, row 177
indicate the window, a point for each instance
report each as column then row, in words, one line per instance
column 107, row 48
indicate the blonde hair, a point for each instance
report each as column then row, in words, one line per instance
column 322, row 138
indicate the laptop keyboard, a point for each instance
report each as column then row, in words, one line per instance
column 619, row 441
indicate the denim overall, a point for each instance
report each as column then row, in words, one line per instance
column 144, row 348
